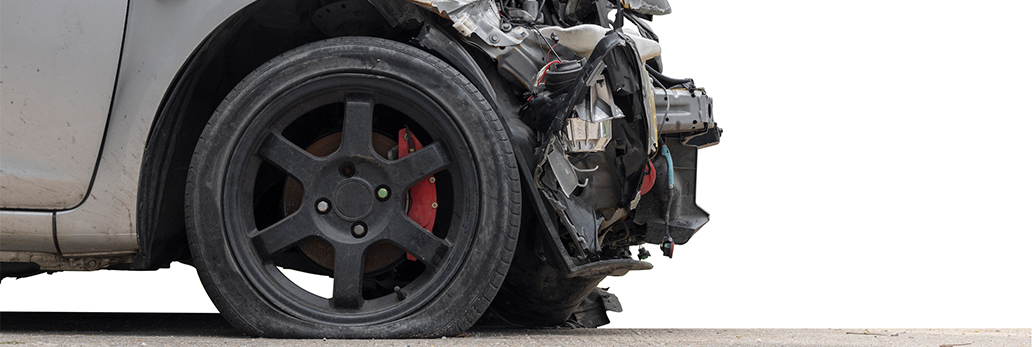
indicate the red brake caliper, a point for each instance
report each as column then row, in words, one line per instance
column 423, row 195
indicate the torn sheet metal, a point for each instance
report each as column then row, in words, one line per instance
column 519, row 63
column 653, row 7
column 583, row 38
column 563, row 171
column 480, row 17
column 601, row 102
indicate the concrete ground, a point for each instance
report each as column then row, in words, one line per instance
column 136, row 329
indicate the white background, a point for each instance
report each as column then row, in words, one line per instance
column 874, row 172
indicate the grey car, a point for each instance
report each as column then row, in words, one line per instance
column 437, row 163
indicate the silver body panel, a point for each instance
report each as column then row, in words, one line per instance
column 159, row 38
column 27, row 231
column 59, row 60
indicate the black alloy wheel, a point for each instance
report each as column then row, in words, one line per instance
column 302, row 170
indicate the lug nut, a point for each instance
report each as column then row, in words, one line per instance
column 358, row 230
column 322, row 206
column 383, row 193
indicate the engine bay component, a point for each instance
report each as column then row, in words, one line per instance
column 590, row 128
column 682, row 111
column 587, row 136
column 477, row 17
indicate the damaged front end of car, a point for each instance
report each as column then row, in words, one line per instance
column 607, row 145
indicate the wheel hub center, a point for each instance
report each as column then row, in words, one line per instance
column 353, row 200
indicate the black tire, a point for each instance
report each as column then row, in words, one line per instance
column 260, row 144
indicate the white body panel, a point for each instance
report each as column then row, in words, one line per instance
column 59, row 60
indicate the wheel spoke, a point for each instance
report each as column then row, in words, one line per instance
column 347, row 276
column 418, row 241
column 358, row 124
column 419, row 164
column 288, row 157
column 286, row 232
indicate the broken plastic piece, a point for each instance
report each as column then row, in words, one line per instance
column 464, row 24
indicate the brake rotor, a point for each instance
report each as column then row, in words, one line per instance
column 379, row 257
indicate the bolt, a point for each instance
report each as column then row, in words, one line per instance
column 383, row 193
column 433, row 205
column 432, row 180
column 407, row 137
column 358, row 230
column 506, row 27
column 494, row 38
column 322, row 206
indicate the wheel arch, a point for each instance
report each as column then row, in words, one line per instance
column 242, row 42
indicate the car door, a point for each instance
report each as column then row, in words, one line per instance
column 58, row 62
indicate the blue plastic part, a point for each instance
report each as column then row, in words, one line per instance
column 665, row 152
